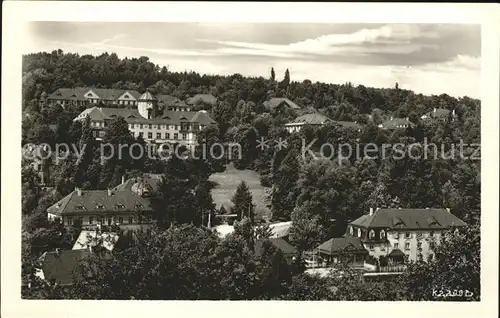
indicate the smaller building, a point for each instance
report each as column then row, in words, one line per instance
column 313, row 119
column 280, row 102
column 440, row 113
column 396, row 123
column 342, row 250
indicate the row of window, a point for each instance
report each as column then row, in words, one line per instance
column 159, row 135
column 164, row 127
column 382, row 234
column 407, row 246
column 110, row 220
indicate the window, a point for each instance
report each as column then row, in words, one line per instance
column 130, row 126
column 167, row 136
column 432, row 245
column 351, row 230
column 99, row 207
column 136, row 125
column 149, row 126
column 420, row 257
column 371, row 235
column 382, row 234
column 419, row 234
column 110, row 220
column 176, row 127
column 371, row 247
column 130, row 219
column 69, row 220
column 138, row 206
column 120, row 220
column 431, row 233
column 407, row 245
column 154, row 126
column 140, row 126
column 140, row 219
column 79, row 207
column 419, row 246
column 184, row 136
column 407, row 235
column 396, row 234
column 158, row 135
column 120, row 206
column 176, row 135
column 91, row 220
column 396, row 246
column 150, row 135
column 359, row 232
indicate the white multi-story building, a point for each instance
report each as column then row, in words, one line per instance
column 154, row 122
column 410, row 233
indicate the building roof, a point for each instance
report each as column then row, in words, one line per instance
column 396, row 123
column 224, row 229
column 169, row 100
column 59, row 265
column 99, row 202
column 202, row 98
column 148, row 178
column 409, row 219
column 347, row 124
column 88, row 239
column 278, row 101
column 279, row 243
column 147, row 96
column 396, row 252
column 78, row 93
column 342, row 244
column 311, row 119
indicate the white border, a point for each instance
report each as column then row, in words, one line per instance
column 16, row 13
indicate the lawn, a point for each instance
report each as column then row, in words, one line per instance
column 228, row 181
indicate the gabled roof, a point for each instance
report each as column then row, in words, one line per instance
column 279, row 243
column 169, row 100
column 311, row 119
column 99, row 202
column 277, row 101
column 59, row 266
column 342, row 244
column 409, row 219
column 204, row 98
column 78, row 93
column 202, row 118
column 438, row 113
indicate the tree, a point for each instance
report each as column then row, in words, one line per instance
column 242, row 202
column 273, row 75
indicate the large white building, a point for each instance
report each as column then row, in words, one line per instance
column 154, row 121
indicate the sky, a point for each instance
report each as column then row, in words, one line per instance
column 426, row 58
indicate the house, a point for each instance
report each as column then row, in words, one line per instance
column 281, row 229
column 207, row 99
column 172, row 103
column 58, row 266
column 396, row 123
column 342, row 250
column 151, row 122
column 289, row 251
column 130, row 209
column 313, row 119
column 393, row 232
column 439, row 113
column 278, row 102
column 84, row 96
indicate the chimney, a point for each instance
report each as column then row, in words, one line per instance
column 371, row 211
column 434, row 109
column 78, row 191
column 110, row 192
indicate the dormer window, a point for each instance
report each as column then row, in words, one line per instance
column 382, row 235
column 371, row 234
column 126, row 96
column 100, row 207
column 138, row 206
column 120, row 206
column 79, row 207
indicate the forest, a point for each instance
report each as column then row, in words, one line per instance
column 310, row 193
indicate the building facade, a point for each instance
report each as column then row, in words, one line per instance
column 396, row 123
column 412, row 232
column 318, row 120
column 440, row 114
column 87, row 97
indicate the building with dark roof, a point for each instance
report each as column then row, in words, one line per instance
column 278, row 102
column 439, row 113
column 412, row 231
column 316, row 120
column 85, row 96
column 396, row 123
column 288, row 250
column 345, row 250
